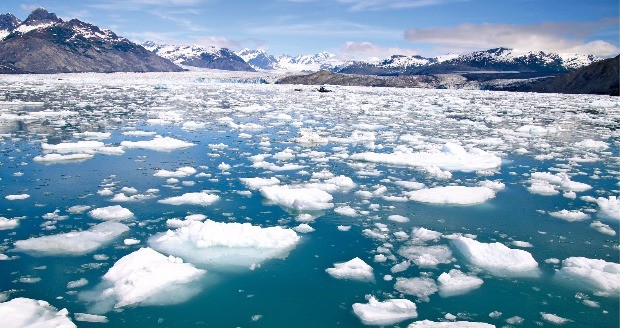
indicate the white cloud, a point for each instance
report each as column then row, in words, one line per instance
column 555, row 37
column 360, row 5
column 28, row 7
column 355, row 50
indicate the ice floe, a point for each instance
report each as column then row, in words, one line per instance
column 111, row 213
column 6, row 224
column 73, row 243
column 298, row 198
column 573, row 215
column 146, row 277
column 595, row 275
column 451, row 324
column 225, row 244
column 158, row 144
column 384, row 313
column 355, row 269
column 181, row 172
column 419, row 287
column 451, row 157
column 455, row 282
column 28, row 313
column 497, row 258
column 609, row 208
column 57, row 158
column 452, row 195
column 191, row 198
column 257, row 183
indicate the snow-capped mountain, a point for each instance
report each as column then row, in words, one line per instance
column 198, row 56
column 261, row 60
column 497, row 60
column 258, row 59
column 44, row 43
column 8, row 23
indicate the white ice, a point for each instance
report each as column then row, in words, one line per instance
column 111, row 213
column 595, row 275
column 421, row 288
column 28, row 313
column 452, row 195
column 456, row 282
column 298, row 198
column 6, row 224
column 451, row 324
column 384, row 313
column 158, row 144
column 497, row 258
column 73, row 243
column 609, row 208
column 257, row 183
column 191, row 198
column 355, row 269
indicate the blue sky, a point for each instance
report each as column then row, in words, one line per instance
column 354, row 28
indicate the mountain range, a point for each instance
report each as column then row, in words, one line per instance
column 44, row 43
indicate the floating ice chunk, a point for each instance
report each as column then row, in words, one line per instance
column 522, row 244
column 78, row 209
column 384, row 313
column 560, row 180
column 6, row 224
column 257, row 183
column 456, row 282
column 592, row 144
column 131, row 241
column 77, row 283
column 555, row 319
column 571, row 216
column 496, row 258
column 603, row 228
column 452, row 195
column 26, row 312
column 181, row 172
column 147, row 277
column 609, row 208
column 17, row 197
column 495, row 185
column 596, row 275
column 73, row 147
column 56, row 158
column 336, row 184
column 310, row 138
column 421, row 288
column 542, row 188
column 452, row 324
column 303, row 228
column 191, row 198
column 344, row 228
column 191, row 125
column 411, row 185
column 398, row 218
column 423, row 235
column 355, row 269
column 85, row 317
column 73, row 243
column 346, row 211
column 111, row 213
column 298, row 198
column 400, row 267
column 452, row 157
column 427, row 256
column 226, row 244
column 136, row 133
column 158, row 144
column 533, row 130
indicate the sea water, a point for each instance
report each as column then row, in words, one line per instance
column 231, row 123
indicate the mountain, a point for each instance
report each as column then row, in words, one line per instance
column 258, row 59
column 492, row 60
column 601, row 77
column 8, row 23
column 197, row 56
column 261, row 60
column 44, row 43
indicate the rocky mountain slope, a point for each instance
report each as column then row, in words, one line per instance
column 44, row 43
column 261, row 60
column 197, row 56
column 598, row 78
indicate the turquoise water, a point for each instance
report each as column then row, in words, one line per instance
column 296, row 291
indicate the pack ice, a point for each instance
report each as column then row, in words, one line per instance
column 497, row 258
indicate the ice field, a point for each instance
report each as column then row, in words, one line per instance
column 198, row 199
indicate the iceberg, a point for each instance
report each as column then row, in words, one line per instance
column 497, row 258
column 384, row 313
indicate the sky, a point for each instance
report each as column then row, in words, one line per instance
column 353, row 28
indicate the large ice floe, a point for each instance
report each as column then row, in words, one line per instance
column 191, row 198
column 452, row 195
column 450, row 324
column 451, row 157
column 158, row 144
column 28, row 313
column 225, row 245
column 73, row 243
column 111, row 213
column 355, row 269
column 609, row 208
column 598, row 276
column 298, row 198
column 145, row 277
column 497, row 258
column 57, row 158
column 455, row 283
column 384, row 313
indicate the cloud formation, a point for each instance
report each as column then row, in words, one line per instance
column 568, row 37
column 360, row 5
column 357, row 50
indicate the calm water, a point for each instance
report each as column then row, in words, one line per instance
column 296, row 291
